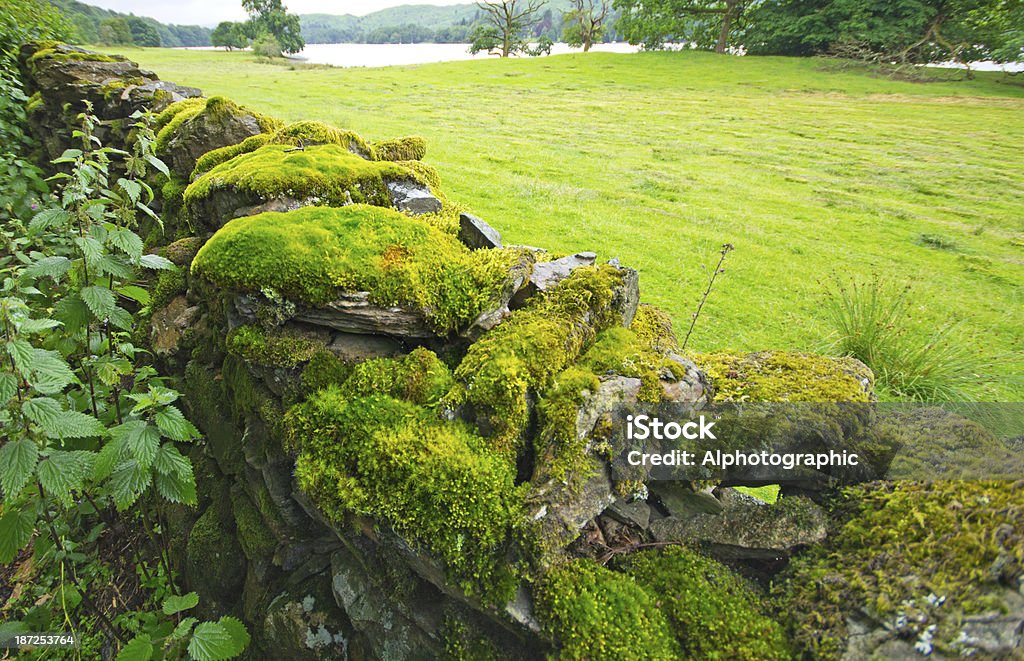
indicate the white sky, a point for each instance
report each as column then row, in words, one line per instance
column 211, row 12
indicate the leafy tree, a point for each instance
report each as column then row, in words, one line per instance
column 584, row 23
column 266, row 45
column 903, row 32
column 709, row 24
column 115, row 32
column 143, row 32
column 271, row 17
column 506, row 27
column 229, row 35
column 25, row 20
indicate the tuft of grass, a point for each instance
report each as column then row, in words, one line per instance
column 871, row 322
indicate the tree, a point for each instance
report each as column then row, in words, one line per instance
column 143, row 32
column 271, row 17
column 506, row 27
column 229, row 35
column 706, row 23
column 584, row 23
column 888, row 32
column 115, row 32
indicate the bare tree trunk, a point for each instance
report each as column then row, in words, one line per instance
column 725, row 27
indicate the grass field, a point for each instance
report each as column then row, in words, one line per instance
column 659, row 158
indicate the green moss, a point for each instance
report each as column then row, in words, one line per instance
column 409, row 148
column 714, row 613
column 300, row 134
column 330, row 173
column 279, row 348
column 521, row 355
column 212, row 555
column 463, row 642
column 182, row 251
column 419, row 377
column 217, row 108
column 34, row 103
column 778, row 376
column 324, row 369
column 436, row 483
column 176, row 120
column 616, row 350
column 52, row 53
column 595, row 613
column 257, row 542
column 169, row 284
column 653, row 327
column 215, row 157
column 173, row 110
column 312, row 254
column 958, row 541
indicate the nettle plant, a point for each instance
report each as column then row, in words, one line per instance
column 87, row 426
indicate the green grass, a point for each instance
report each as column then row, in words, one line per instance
column 659, row 158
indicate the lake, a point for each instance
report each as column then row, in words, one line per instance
column 385, row 55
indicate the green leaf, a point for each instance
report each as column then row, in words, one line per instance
column 48, row 218
column 174, row 604
column 132, row 188
column 174, row 425
column 21, row 352
column 157, row 262
column 43, row 411
column 99, row 299
column 115, row 265
column 159, row 165
column 184, row 628
column 10, row 629
column 214, row 641
column 8, row 388
column 51, row 267
column 63, row 473
column 121, row 318
column 37, row 325
column 135, row 293
column 91, row 249
column 141, row 439
column 128, row 482
column 111, row 454
column 50, row 372
column 110, row 370
column 15, row 532
column 139, row 648
column 169, row 461
column 73, row 311
column 17, row 462
column 176, row 489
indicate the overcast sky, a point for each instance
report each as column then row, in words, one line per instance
column 211, row 12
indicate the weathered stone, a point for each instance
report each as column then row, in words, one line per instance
column 477, row 234
column 352, row 347
column 518, row 275
column 560, row 510
column 548, row 274
column 682, row 502
column 205, row 132
column 748, row 528
column 626, row 296
column 354, row 313
column 637, row 512
column 168, row 325
column 412, row 197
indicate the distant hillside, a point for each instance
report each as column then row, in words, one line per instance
column 88, row 21
column 418, row 24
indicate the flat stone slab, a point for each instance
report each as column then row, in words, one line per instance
column 413, row 197
column 477, row 234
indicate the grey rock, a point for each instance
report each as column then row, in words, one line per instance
column 748, row 529
column 517, row 278
column 637, row 513
column 412, row 197
column 626, row 296
column 354, row 313
column 356, row 348
column 682, row 503
column 560, row 511
column 476, row 234
column 205, row 132
column 169, row 323
column 548, row 274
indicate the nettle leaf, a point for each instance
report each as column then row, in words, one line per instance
column 176, row 489
column 16, row 530
column 128, row 482
column 17, row 462
column 62, row 473
column 184, row 628
column 135, row 293
column 127, row 242
column 21, row 352
column 169, row 461
column 54, row 267
column 58, row 423
column 132, row 188
column 43, row 411
column 48, row 218
column 157, row 262
column 215, row 641
column 121, row 318
column 110, row 370
column 174, row 425
column 91, row 249
column 32, row 326
column 159, row 165
column 141, row 439
column 115, row 265
column 110, row 455
column 8, row 388
column 139, row 648
column 73, row 312
column 100, row 300
column 50, row 372
column 174, row 604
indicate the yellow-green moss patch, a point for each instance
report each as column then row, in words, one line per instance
column 653, row 327
column 779, row 376
column 281, row 348
column 311, row 254
column 409, row 148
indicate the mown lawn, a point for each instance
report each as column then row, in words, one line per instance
column 659, row 158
